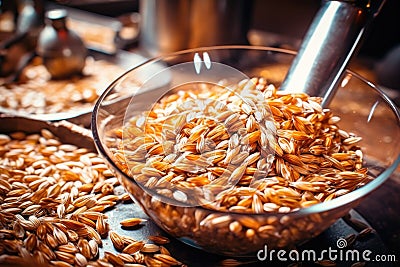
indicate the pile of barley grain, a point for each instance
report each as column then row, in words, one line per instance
column 53, row 198
column 283, row 151
column 36, row 95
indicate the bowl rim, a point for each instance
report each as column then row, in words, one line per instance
column 332, row 204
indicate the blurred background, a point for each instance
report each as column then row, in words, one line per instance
column 264, row 22
column 285, row 17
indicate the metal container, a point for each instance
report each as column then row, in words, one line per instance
column 332, row 39
column 62, row 50
column 172, row 25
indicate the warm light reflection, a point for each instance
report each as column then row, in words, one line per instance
column 197, row 63
column 371, row 112
column 197, row 60
column 346, row 80
column 317, row 40
column 207, row 60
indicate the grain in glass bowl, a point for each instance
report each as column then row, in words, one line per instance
column 324, row 161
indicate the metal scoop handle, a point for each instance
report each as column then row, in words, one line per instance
column 333, row 37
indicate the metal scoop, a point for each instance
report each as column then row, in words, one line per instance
column 332, row 39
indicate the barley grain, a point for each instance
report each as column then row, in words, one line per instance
column 159, row 240
column 133, row 247
column 117, row 241
column 52, row 203
column 131, row 222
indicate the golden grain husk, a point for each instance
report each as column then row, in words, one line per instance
column 52, row 202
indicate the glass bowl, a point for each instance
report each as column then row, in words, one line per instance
column 364, row 111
